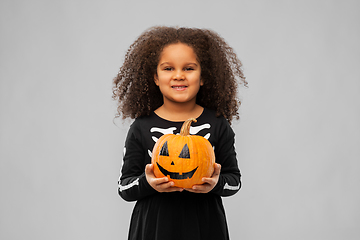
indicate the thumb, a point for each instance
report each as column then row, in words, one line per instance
column 149, row 169
column 217, row 169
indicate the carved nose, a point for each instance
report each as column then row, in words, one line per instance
column 172, row 163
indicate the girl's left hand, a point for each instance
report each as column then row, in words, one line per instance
column 209, row 183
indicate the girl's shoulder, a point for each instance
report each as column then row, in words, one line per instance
column 211, row 116
column 143, row 121
column 212, row 127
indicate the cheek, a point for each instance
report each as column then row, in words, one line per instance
column 163, row 78
column 196, row 79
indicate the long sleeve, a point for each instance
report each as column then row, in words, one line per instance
column 132, row 184
column 230, row 178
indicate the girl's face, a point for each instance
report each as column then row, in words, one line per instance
column 178, row 74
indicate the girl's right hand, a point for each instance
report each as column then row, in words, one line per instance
column 159, row 184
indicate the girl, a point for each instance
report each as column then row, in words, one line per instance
column 168, row 76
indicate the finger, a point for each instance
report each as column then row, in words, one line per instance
column 149, row 169
column 217, row 169
column 169, row 187
column 210, row 181
column 199, row 188
column 202, row 187
column 192, row 190
column 215, row 176
column 161, row 181
column 174, row 189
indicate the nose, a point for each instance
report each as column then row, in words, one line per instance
column 178, row 75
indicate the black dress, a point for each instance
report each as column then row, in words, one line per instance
column 177, row 215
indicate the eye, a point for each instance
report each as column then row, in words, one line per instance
column 185, row 152
column 168, row 69
column 164, row 150
column 189, row 69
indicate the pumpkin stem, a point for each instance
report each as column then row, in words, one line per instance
column 185, row 129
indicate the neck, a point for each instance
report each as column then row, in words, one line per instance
column 179, row 112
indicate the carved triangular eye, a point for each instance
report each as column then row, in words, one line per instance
column 185, row 152
column 164, row 150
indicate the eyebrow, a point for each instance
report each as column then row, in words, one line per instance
column 191, row 63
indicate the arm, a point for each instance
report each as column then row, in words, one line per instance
column 229, row 181
column 132, row 184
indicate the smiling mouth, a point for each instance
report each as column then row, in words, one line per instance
column 175, row 175
column 179, row 87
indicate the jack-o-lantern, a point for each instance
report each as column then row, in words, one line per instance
column 185, row 159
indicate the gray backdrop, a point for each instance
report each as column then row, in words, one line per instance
column 297, row 140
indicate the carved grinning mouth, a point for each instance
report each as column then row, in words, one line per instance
column 175, row 175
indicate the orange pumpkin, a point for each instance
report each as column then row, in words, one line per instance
column 185, row 159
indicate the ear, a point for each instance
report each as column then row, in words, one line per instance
column 156, row 79
column 201, row 82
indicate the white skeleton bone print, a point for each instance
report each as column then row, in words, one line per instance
column 193, row 131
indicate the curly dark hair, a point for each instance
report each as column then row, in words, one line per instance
column 134, row 87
